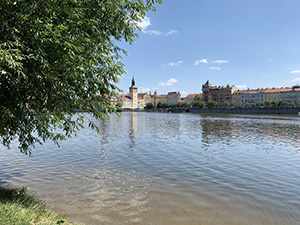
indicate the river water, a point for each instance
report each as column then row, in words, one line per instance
column 155, row 168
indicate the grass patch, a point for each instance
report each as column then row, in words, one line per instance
column 17, row 207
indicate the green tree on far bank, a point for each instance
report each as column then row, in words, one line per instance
column 198, row 102
column 212, row 104
column 58, row 54
column 226, row 104
column 149, row 106
column 162, row 105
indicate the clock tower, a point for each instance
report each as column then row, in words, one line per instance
column 133, row 94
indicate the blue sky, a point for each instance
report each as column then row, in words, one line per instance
column 247, row 43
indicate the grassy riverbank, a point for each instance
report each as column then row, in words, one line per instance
column 17, row 207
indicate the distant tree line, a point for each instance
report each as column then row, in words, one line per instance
column 274, row 104
column 199, row 103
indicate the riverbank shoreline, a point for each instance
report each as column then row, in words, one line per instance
column 250, row 110
column 17, row 206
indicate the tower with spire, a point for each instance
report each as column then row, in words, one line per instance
column 133, row 94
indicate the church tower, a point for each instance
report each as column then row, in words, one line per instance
column 133, row 94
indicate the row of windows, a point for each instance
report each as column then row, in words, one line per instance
column 252, row 96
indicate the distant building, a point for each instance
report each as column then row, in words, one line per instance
column 242, row 97
column 126, row 101
column 189, row 98
column 218, row 94
column 130, row 101
column 143, row 99
column 292, row 95
column 133, row 94
column 114, row 99
column 162, row 99
column 173, row 97
column 274, row 94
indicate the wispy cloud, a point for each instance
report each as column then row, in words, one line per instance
column 219, row 61
column 173, row 63
column 169, row 82
column 153, row 32
column 146, row 22
column 144, row 89
column 197, row 62
column 215, row 68
column 242, row 86
column 171, row 32
column 296, row 80
column 295, row 71
column 183, row 93
column 159, row 33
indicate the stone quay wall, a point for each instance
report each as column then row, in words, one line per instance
column 253, row 110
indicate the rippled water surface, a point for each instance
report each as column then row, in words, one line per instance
column 152, row 168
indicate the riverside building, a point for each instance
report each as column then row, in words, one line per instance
column 173, row 97
column 220, row 94
column 130, row 101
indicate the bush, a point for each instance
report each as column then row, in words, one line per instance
column 212, row 104
column 149, row 106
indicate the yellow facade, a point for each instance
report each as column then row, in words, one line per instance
column 274, row 94
column 160, row 99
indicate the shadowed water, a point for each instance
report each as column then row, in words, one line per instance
column 152, row 168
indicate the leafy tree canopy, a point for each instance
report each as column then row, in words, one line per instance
column 212, row 104
column 60, row 53
column 149, row 106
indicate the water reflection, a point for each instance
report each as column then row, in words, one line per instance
column 185, row 169
column 262, row 131
column 133, row 130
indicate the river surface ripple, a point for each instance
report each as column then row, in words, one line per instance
column 154, row 168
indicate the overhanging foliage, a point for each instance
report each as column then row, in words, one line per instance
column 60, row 53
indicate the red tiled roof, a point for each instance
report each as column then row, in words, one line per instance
column 124, row 96
column 192, row 96
column 161, row 96
column 267, row 90
column 276, row 90
column 142, row 94
column 174, row 92
column 250, row 91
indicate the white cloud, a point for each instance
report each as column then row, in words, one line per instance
column 219, row 61
column 183, row 93
column 174, row 63
column 171, row 32
column 296, row 80
column 242, row 86
column 215, row 68
column 197, row 62
column 153, row 32
column 144, row 89
column 295, row 71
column 169, row 82
column 146, row 22
column 159, row 33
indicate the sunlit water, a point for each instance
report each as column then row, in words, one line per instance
column 152, row 168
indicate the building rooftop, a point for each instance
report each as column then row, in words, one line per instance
column 191, row 96
column 277, row 90
column 161, row 96
column 124, row 96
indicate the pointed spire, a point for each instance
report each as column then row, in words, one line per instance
column 207, row 83
column 132, row 82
